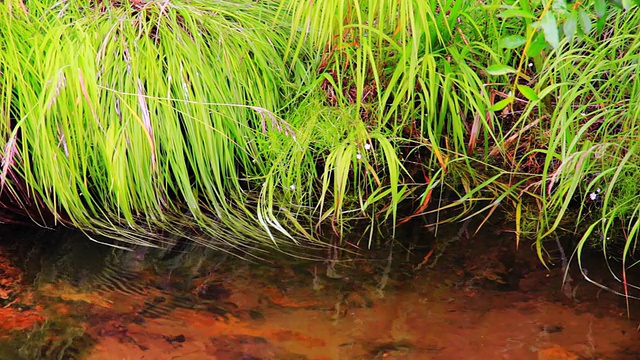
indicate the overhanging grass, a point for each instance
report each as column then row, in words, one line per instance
column 138, row 110
column 135, row 119
column 255, row 124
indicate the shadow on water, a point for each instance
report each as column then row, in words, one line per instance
column 436, row 297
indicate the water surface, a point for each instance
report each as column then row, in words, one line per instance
column 65, row 297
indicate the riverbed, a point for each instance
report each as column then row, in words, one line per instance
column 66, row 297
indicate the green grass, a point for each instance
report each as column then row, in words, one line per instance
column 283, row 124
column 138, row 119
column 586, row 152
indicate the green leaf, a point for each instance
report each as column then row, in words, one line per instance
column 559, row 5
column 500, row 69
column 585, row 21
column 519, row 13
column 570, row 25
column 549, row 27
column 537, row 45
column 528, row 92
column 601, row 7
column 512, row 41
column 617, row 4
column 501, row 104
column 627, row 4
column 600, row 23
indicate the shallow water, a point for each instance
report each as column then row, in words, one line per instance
column 65, row 297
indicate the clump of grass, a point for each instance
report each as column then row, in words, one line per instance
column 127, row 119
column 411, row 72
column 584, row 158
column 132, row 118
column 258, row 124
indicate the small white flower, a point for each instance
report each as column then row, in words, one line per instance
column 598, row 190
column 358, row 156
column 593, row 196
column 292, row 187
column 367, row 146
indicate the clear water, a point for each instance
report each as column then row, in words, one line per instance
column 65, row 297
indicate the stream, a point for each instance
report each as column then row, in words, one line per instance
column 63, row 296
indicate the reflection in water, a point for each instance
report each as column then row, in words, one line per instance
column 64, row 297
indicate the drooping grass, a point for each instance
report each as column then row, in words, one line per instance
column 252, row 124
column 236, row 114
column 123, row 119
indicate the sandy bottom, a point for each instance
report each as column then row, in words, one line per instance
column 462, row 308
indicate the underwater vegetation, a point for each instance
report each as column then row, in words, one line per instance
column 283, row 125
